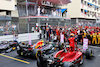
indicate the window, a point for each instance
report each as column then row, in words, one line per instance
column 15, row 7
column 88, row 4
column 93, row 0
column 8, row 12
column 99, row 2
column 87, row 13
column 90, row 13
column 95, row 14
column 81, row 10
column 91, row 5
column 82, row 1
column 97, row 9
column 85, row 2
column 44, row 2
column 96, row 2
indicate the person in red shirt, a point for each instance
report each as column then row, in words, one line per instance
column 75, row 32
column 92, row 31
column 57, row 31
column 58, row 34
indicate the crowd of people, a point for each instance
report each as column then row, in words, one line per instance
column 62, row 33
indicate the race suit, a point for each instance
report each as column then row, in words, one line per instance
column 94, row 38
column 98, row 36
column 72, row 43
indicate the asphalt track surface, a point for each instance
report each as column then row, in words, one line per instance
column 12, row 59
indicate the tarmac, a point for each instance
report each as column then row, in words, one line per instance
column 12, row 59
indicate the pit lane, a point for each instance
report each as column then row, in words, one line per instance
column 9, row 62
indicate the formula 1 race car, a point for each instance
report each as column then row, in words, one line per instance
column 7, row 46
column 40, row 47
column 64, row 58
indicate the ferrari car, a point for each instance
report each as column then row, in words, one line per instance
column 40, row 47
column 64, row 58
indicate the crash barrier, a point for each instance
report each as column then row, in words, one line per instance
column 21, row 37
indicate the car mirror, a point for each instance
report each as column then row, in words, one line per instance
column 61, row 59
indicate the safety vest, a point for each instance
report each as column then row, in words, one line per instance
column 84, row 34
column 98, row 36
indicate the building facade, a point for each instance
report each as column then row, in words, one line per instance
column 83, row 11
column 8, row 17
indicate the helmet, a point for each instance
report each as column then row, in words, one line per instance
column 23, row 43
column 71, row 34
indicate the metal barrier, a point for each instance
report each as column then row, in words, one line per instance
column 21, row 37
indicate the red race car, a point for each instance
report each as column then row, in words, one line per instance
column 64, row 58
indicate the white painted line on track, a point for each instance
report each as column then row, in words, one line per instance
column 3, row 53
column 94, row 46
column 89, row 46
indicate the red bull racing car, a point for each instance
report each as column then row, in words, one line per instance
column 40, row 47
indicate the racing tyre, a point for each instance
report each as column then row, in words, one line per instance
column 68, row 64
column 60, row 46
column 89, row 53
column 0, row 51
column 35, row 53
column 82, row 60
column 39, row 63
column 19, row 52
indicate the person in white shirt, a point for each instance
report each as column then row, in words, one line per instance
column 39, row 10
column 15, row 37
column 55, row 38
column 51, row 35
column 40, row 31
column 61, row 37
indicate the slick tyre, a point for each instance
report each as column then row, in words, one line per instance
column 19, row 52
column 68, row 64
column 82, row 60
column 89, row 53
column 39, row 63
column 35, row 53
column 60, row 46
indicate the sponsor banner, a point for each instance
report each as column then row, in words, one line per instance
column 29, row 39
column 85, row 44
column 62, row 38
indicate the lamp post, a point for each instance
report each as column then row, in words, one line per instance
column 3, row 24
column 27, row 16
